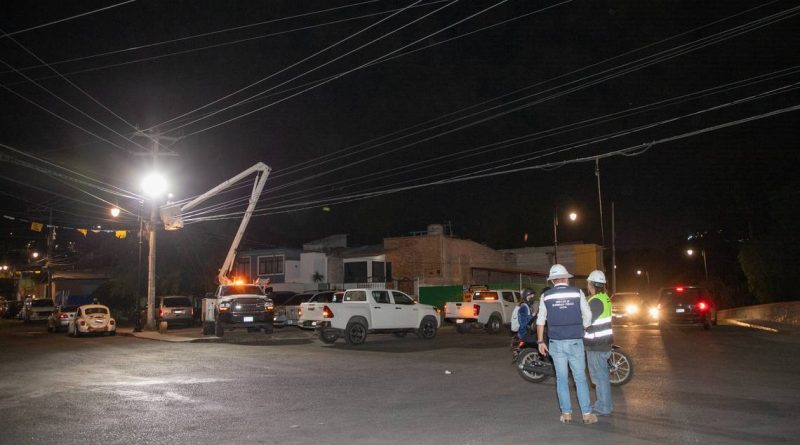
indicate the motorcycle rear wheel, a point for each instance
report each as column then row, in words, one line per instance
column 620, row 368
column 526, row 358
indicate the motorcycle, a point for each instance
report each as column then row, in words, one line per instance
column 535, row 368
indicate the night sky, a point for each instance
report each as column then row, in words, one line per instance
column 563, row 67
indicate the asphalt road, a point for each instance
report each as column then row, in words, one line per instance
column 729, row 385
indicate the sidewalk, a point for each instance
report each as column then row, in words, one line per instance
column 188, row 335
column 195, row 335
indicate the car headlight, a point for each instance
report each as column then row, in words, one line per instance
column 631, row 309
column 654, row 312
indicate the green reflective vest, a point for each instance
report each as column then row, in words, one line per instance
column 599, row 335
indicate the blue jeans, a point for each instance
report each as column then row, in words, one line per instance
column 569, row 354
column 598, row 370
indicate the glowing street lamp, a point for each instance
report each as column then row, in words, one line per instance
column 154, row 185
column 115, row 212
column 572, row 217
column 35, row 255
column 690, row 252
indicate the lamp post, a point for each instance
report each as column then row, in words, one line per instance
column 691, row 252
column 154, row 186
column 572, row 217
column 646, row 273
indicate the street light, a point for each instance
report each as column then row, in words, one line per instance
column 154, row 185
column 572, row 217
column 646, row 273
column 35, row 255
column 690, row 252
column 115, row 212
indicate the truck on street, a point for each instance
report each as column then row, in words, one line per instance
column 376, row 311
column 488, row 309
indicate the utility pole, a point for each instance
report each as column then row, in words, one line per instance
column 152, row 226
column 51, row 237
column 613, row 252
column 600, row 201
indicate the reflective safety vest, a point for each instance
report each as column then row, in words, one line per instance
column 599, row 335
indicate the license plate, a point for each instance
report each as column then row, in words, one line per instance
column 460, row 320
column 247, row 319
column 680, row 310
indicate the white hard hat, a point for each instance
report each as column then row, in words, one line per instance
column 558, row 271
column 597, row 276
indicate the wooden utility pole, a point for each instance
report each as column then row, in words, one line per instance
column 156, row 139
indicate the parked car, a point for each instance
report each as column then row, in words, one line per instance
column 379, row 311
column 489, row 309
column 13, row 308
column 59, row 320
column 92, row 319
column 310, row 313
column 288, row 313
column 174, row 309
column 687, row 305
column 633, row 307
column 37, row 309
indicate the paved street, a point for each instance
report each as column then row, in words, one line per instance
column 729, row 385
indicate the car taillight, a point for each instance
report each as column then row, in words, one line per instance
column 327, row 312
column 476, row 310
column 160, row 313
column 299, row 312
column 521, row 344
column 702, row 305
column 62, row 316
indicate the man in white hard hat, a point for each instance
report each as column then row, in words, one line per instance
column 567, row 313
column 598, row 341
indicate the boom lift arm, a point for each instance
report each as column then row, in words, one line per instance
column 172, row 215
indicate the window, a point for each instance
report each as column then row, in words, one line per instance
column 270, row 265
column 355, row 295
column 355, row 272
column 243, row 289
column 509, row 296
column 378, row 271
column 381, row 296
column 401, row 298
column 177, row 302
column 242, row 268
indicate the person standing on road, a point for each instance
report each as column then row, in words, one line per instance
column 598, row 340
column 566, row 312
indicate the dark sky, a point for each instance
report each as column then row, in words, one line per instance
column 569, row 59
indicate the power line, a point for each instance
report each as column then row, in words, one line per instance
column 74, row 86
column 202, row 48
column 629, row 67
column 304, row 60
column 295, row 169
column 351, row 70
column 84, row 14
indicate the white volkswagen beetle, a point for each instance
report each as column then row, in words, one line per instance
column 92, row 318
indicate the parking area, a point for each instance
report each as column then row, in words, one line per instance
column 727, row 385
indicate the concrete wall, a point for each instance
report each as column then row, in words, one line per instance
column 788, row 312
column 311, row 262
column 579, row 259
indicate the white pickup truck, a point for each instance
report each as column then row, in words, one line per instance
column 379, row 311
column 490, row 309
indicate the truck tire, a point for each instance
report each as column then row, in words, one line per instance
column 355, row 333
column 218, row 330
column 328, row 337
column 208, row 328
column 463, row 328
column 494, row 325
column 427, row 329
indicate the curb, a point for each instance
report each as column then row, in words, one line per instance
column 171, row 339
